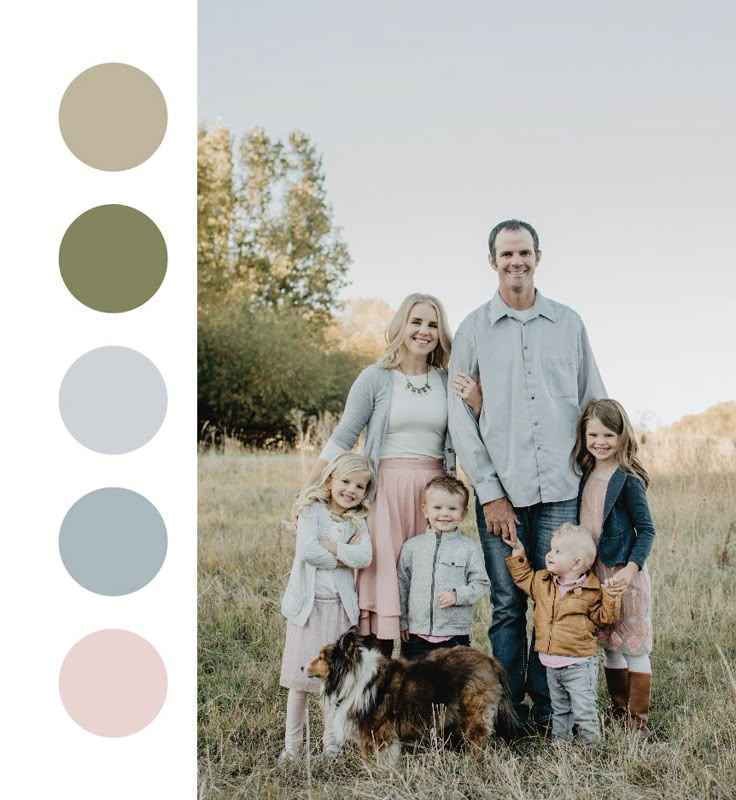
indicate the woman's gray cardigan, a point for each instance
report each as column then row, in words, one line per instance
column 369, row 403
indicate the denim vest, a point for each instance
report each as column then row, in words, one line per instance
column 627, row 530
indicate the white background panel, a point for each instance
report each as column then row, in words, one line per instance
column 44, row 330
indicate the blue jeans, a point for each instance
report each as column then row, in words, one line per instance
column 574, row 691
column 526, row 675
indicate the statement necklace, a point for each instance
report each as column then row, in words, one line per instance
column 417, row 389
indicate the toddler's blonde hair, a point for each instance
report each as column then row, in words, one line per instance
column 582, row 542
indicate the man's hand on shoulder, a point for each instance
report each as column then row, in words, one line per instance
column 500, row 517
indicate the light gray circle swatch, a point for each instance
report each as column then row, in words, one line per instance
column 113, row 541
column 113, row 400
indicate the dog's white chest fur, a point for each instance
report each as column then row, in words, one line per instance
column 355, row 695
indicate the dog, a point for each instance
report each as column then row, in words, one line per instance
column 459, row 694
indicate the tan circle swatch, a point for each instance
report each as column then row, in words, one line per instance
column 113, row 683
column 113, row 117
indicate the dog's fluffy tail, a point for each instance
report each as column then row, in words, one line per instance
column 508, row 725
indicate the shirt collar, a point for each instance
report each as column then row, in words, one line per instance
column 542, row 307
column 576, row 582
column 454, row 533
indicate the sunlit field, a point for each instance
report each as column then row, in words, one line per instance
column 245, row 553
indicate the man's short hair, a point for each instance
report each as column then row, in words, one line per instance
column 450, row 485
column 582, row 540
column 511, row 225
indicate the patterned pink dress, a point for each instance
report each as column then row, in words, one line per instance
column 632, row 634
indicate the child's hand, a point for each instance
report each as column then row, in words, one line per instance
column 513, row 541
column 355, row 538
column 447, row 599
column 404, row 636
column 330, row 545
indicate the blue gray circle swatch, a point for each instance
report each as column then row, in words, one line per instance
column 113, row 400
column 113, row 258
column 113, row 117
column 113, row 541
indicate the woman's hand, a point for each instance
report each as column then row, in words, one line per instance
column 468, row 390
column 404, row 636
column 355, row 538
column 621, row 581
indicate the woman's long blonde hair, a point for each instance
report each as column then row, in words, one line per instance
column 342, row 464
column 440, row 356
column 611, row 414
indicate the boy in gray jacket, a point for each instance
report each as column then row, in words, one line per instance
column 441, row 574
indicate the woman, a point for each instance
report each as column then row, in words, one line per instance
column 402, row 401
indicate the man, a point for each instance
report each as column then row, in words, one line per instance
column 537, row 370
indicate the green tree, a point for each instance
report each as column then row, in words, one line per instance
column 271, row 264
column 287, row 250
column 215, row 211
column 257, row 365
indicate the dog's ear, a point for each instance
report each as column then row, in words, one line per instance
column 349, row 640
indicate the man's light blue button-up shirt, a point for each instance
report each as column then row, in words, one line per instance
column 537, row 371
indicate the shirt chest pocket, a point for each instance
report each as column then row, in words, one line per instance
column 452, row 570
column 561, row 377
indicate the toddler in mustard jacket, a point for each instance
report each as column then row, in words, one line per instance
column 570, row 604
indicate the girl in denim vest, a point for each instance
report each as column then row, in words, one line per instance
column 320, row 602
column 612, row 504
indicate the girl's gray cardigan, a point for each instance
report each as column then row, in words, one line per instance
column 369, row 403
column 315, row 524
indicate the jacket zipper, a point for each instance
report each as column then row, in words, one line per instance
column 556, row 599
column 552, row 621
column 431, row 595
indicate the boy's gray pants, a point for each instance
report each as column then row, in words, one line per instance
column 573, row 691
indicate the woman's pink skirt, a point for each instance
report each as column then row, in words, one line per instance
column 394, row 516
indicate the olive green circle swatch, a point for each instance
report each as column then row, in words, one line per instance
column 113, row 258
column 113, row 117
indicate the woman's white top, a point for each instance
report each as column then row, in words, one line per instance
column 417, row 422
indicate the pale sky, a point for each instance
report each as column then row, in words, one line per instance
column 610, row 127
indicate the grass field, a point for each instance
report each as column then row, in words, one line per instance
column 244, row 558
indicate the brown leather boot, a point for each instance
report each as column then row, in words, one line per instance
column 640, row 686
column 617, row 681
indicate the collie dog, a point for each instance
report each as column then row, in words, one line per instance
column 457, row 695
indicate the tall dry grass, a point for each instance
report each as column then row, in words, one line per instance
column 244, row 559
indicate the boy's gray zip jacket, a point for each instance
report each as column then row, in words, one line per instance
column 432, row 563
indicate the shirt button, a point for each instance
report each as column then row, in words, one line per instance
column 525, row 347
column 539, row 447
column 536, row 422
column 532, row 397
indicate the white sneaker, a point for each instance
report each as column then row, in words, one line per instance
column 287, row 758
column 332, row 751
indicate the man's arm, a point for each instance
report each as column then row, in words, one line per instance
column 465, row 432
column 464, row 429
column 590, row 383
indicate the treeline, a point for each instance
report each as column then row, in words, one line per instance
column 271, row 264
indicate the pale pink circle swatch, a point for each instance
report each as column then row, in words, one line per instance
column 113, row 683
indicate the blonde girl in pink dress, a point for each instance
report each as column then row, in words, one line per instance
column 612, row 504
column 320, row 602
column 401, row 403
